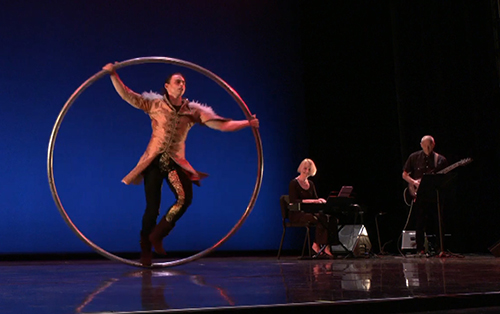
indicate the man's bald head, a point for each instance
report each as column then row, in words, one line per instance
column 427, row 143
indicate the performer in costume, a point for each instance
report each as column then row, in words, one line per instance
column 172, row 116
column 418, row 164
column 302, row 190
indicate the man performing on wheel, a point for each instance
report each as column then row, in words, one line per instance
column 172, row 116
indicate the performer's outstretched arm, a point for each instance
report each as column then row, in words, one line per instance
column 126, row 93
column 232, row 125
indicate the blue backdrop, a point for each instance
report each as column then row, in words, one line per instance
column 50, row 48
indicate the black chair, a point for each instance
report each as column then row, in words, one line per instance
column 284, row 203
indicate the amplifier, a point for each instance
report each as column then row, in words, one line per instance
column 355, row 240
column 409, row 240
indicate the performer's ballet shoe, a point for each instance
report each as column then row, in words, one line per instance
column 161, row 230
column 146, row 253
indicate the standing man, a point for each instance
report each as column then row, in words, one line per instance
column 172, row 116
column 418, row 164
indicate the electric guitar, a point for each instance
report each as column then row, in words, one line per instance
column 411, row 190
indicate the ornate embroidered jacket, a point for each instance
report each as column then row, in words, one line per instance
column 170, row 129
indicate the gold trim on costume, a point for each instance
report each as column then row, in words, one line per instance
column 174, row 179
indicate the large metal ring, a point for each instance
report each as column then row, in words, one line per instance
column 97, row 76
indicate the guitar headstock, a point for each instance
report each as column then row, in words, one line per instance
column 464, row 162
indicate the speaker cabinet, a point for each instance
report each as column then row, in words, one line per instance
column 495, row 249
column 355, row 239
column 409, row 241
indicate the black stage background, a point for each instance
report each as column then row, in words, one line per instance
column 381, row 74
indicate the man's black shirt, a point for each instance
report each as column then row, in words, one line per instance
column 419, row 163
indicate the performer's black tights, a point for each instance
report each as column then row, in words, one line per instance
column 179, row 183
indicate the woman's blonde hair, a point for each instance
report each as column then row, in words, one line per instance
column 313, row 169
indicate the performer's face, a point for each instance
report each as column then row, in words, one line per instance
column 176, row 87
column 427, row 146
column 306, row 169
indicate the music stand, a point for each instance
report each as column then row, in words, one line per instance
column 429, row 184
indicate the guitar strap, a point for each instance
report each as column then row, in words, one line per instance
column 436, row 156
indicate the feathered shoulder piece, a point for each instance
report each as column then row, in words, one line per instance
column 201, row 107
column 151, row 95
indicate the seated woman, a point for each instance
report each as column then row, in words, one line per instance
column 301, row 190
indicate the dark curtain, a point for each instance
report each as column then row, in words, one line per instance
column 379, row 75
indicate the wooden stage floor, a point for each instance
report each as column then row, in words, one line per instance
column 383, row 284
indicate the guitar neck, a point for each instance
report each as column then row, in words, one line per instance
column 449, row 168
column 455, row 165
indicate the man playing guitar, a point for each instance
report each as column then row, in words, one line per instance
column 418, row 164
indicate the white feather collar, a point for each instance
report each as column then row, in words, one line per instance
column 192, row 104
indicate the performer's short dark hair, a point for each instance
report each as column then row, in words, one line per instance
column 168, row 80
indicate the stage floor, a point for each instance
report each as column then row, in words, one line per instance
column 386, row 284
